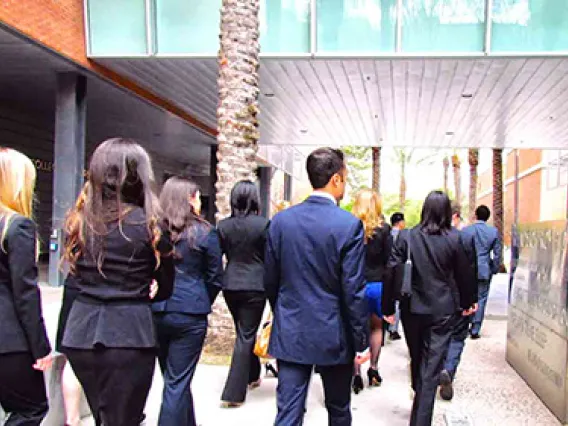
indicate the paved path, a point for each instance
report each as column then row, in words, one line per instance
column 487, row 389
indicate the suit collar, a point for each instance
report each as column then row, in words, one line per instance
column 319, row 199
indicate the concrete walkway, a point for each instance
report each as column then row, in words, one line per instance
column 488, row 391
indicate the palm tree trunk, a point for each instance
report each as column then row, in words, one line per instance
column 498, row 192
column 237, row 109
column 402, row 190
column 376, row 184
column 456, row 166
column 473, row 158
column 446, row 163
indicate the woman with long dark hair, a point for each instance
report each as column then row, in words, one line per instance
column 378, row 245
column 24, row 348
column 115, row 249
column 243, row 238
column 181, row 321
column 434, row 279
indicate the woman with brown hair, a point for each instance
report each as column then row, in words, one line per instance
column 378, row 246
column 115, row 248
column 181, row 321
column 24, row 348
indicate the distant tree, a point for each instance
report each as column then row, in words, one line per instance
column 405, row 157
column 359, row 164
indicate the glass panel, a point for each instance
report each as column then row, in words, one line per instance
column 285, row 26
column 529, row 25
column 117, row 27
column 188, row 26
column 356, row 25
column 443, row 25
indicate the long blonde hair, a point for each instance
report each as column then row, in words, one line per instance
column 17, row 182
column 369, row 208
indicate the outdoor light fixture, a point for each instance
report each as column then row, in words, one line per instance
column 269, row 95
column 467, row 95
column 304, row 131
column 449, row 133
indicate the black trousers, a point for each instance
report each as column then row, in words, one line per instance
column 293, row 384
column 246, row 308
column 22, row 390
column 181, row 338
column 116, row 382
column 428, row 339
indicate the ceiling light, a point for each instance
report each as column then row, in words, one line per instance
column 304, row 131
column 449, row 133
column 467, row 95
column 269, row 95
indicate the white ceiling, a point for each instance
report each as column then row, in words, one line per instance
column 514, row 103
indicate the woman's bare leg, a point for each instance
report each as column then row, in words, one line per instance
column 71, row 396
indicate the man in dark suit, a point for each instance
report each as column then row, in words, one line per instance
column 314, row 280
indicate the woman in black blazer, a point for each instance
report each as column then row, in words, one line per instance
column 440, row 291
column 115, row 249
column 243, row 237
column 24, row 348
column 181, row 321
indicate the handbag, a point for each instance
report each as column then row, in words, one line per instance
column 406, row 288
column 263, row 339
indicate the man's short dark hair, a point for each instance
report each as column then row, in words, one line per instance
column 322, row 164
column 482, row 213
column 396, row 218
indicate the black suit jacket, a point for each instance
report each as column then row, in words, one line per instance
column 243, row 240
column 113, row 307
column 442, row 274
column 21, row 322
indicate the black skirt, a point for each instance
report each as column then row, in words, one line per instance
column 69, row 295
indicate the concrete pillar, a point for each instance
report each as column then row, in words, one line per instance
column 287, row 187
column 69, row 155
column 265, row 179
column 212, row 207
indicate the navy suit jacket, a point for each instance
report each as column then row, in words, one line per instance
column 488, row 248
column 315, row 282
column 198, row 275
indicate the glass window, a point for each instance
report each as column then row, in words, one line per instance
column 117, row 27
column 188, row 26
column 443, row 25
column 529, row 26
column 356, row 25
column 285, row 26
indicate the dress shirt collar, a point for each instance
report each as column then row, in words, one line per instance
column 324, row 195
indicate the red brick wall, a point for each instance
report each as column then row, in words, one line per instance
column 59, row 25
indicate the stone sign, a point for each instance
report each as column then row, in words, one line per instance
column 537, row 333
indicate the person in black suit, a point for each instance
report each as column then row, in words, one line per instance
column 315, row 282
column 181, row 321
column 440, row 293
column 24, row 347
column 115, row 249
column 243, row 238
column 378, row 246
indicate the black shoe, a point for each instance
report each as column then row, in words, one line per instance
column 395, row 336
column 475, row 336
column 446, row 387
column 375, row 378
column 357, row 384
column 270, row 369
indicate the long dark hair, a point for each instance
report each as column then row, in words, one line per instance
column 436, row 215
column 178, row 215
column 120, row 178
column 245, row 199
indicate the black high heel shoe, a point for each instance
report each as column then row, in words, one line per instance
column 270, row 369
column 357, row 384
column 375, row 378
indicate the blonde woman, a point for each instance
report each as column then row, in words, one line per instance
column 378, row 245
column 24, row 347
